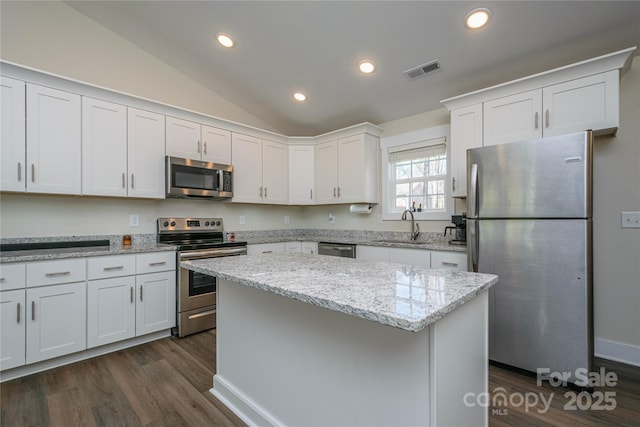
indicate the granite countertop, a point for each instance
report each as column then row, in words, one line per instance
column 402, row 296
column 390, row 243
column 77, row 252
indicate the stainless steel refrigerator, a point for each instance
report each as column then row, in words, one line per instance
column 529, row 220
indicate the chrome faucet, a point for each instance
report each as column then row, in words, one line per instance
column 415, row 229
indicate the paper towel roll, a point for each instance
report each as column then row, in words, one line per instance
column 360, row 209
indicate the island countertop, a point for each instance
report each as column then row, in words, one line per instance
column 402, row 296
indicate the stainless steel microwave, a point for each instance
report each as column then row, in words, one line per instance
column 193, row 178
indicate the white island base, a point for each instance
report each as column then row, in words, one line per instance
column 288, row 363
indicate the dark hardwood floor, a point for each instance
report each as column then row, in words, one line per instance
column 167, row 382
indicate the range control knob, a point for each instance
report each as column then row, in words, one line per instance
column 218, row 223
column 166, row 223
column 173, row 223
column 206, row 223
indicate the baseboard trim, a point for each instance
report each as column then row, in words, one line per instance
column 617, row 351
column 22, row 371
column 241, row 405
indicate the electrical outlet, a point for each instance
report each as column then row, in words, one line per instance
column 242, row 220
column 286, row 219
column 630, row 220
column 332, row 218
column 134, row 220
column 380, row 219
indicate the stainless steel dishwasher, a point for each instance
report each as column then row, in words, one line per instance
column 344, row 250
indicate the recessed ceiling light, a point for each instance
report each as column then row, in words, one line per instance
column 225, row 40
column 366, row 66
column 477, row 18
column 299, row 96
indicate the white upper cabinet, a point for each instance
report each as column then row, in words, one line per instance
column 54, row 161
column 301, row 174
column 513, row 118
column 104, row 148
column 587, row 103
column 347, row 170
column 12, row 126
column 275, row 172
column 195, row 141
column 466, row 133
column 326, row 172
column 145, row 150
column 260, row 170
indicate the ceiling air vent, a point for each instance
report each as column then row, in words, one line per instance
column 423, row 70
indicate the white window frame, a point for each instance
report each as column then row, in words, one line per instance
column 417, row 139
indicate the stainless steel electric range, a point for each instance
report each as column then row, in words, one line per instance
column 196, row 238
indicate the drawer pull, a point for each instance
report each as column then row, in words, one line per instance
column 60, row 273
column 2, row 279
column 267, row 252
column 450, row 264
column 155, row 264
column 115, row 267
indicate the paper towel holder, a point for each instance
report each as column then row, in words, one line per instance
column 362, row 208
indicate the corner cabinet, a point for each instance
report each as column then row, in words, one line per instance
column 260, row 170
column 346, row 170
column 301, row 174
column 12, row 126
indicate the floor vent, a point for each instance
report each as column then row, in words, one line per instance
column 423, row 70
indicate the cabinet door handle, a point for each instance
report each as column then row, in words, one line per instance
column 59, row 273
column 311, row 194
column 33, row 310
column 338, row 191
column 131, row 292
column 265, row 192
column 198, row 147
column 535, row 121
column 261, row 192
column 450, row 264
column 123, row 183
column 33, row 172
column 453, row 183
column 18, row 312
column 334, row 192
column 546, row 118
column 205, row 147
column 155, row 264
column 19, row 171
column 132, row 181
column 115, row 267
column 140, row 292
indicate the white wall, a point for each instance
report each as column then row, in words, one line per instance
column 54, row 37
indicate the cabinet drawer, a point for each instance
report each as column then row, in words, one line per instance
column 156, row 261
column 104, row 267
column 55, row 272
column 12, row 276
column 449, row 260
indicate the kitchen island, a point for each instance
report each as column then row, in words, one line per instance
column 315, row 340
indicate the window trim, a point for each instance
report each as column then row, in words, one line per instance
column 420, row 138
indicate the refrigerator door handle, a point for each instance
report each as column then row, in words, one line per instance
column 473, row 192
column 473, row 230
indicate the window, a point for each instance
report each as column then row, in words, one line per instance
column 418, row 178
column 415, row 173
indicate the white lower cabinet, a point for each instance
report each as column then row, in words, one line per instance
column 56, row 321
column 449, row 260
column 12, row 329
column 155, row 302
column 293, row 247
column 111, row 310
column 372, row 253
column 419, row 257
column 309, row 247
column 265, row 248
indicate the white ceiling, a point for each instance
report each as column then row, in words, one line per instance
column 314, row 47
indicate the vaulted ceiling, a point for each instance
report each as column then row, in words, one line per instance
column 315, row 46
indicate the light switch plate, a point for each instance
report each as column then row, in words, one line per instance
column 134, row 220
column 286, row 219
column 242, row 220
column 630, row 220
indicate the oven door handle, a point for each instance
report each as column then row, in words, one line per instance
column 215, row 253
